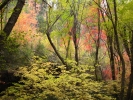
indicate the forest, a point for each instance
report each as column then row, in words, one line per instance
column 66, row 50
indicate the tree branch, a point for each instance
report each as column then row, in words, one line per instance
column 4, row 3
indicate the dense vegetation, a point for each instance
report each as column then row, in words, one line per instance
column 66, row 50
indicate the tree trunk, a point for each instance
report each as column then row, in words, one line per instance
column 119, row 51
column 97, row 43
column 48, row 31
column 11, row 22
column 74, row 35
column 4, row 3
column 110, row 45
column 112, row 62
column 13, row 19
column 53, row 46
column 68, row 48
column 130, row 86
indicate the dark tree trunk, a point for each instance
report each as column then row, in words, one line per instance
column 11, row 22
column 48, row 31
column 13, row 19
column 4, row 3
column 97, row 44
column 53, row 46
column 111, row 50
column 118, row 50
column 112, row 62
column 74, row 35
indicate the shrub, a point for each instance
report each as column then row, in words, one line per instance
column 44, row 81
column 8, row 52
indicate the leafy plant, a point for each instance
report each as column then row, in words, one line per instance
column 9, row 52
column 50, row 81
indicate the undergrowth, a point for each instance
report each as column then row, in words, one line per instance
column 50, row 81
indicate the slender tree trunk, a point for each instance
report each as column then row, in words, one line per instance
column 122, row 62
column 68, row 47
column 119, row 51
column 130, row 86
column 97, row 44
column 112, row 62
column 4, row 3
column 74, row 35
column 110, row 45
column 6, row 14
column 53, row 46
column 48, row 31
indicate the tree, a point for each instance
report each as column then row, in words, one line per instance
column 13, row 19
column 77, row 9
column 74, row 35
column 96, row 64
column 4, row 3
column 127, row 38
column 114, row 21
column 11, row 22
column 48, row 31
column 73, row 10
column 104, row 12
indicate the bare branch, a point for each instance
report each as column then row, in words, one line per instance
column 47, row 3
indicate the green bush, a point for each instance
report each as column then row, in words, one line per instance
column 50, row 81
column 8, row 52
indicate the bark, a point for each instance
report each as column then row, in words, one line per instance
column 74, row 35
column 48, row 31
column 130, row 86
column 119, row 51
column 53, row 46
column 110, row 45
column 13, row 19
column 11, row 22
column 97, row 44
column 74, row 12
column 4, row 3
column 112, row 62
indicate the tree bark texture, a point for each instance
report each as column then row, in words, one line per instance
column 118, row 50
column 110, row 47
column 97, row 43
column 112, row 62
column 48, row 31
column 13, row 18
column 74, row 35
